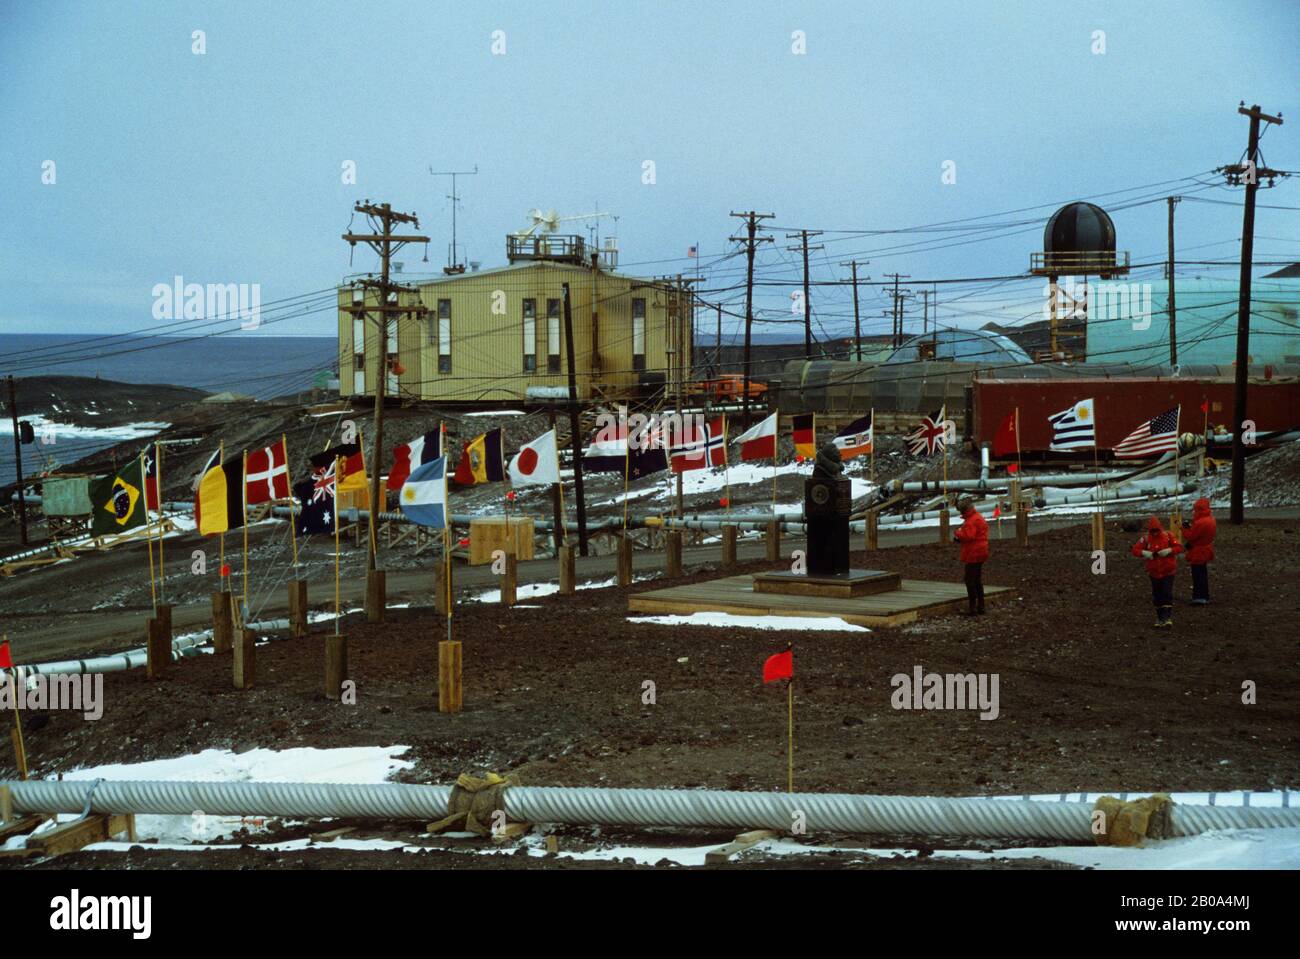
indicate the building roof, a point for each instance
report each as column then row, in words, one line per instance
column 437, row 279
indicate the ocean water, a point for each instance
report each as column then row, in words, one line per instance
column 257, row 365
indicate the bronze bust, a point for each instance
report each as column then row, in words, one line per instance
column 828, row 464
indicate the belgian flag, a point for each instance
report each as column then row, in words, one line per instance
column 118, row 500
column 219, row 505
column 481, row 460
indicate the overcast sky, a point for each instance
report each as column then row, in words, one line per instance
column 227, row 166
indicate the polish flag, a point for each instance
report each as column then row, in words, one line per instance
column 759, row 441
column 267, row 475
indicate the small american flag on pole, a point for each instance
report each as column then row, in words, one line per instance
column 1158, row 435
column 693, row 252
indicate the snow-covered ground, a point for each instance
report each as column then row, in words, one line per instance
column 733, row 621
column 127, row 431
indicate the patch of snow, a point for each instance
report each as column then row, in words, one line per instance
column 733, row 621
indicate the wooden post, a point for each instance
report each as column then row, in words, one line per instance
column 336, row 665
column 158, row 648
column 376, row 599
column 449, row 676
column 1098, row 531
column 245, row 659
column 773, row 537
column 6, row 804
column 223, row 623
column 510, row 580
column 1176, row 525
column 297, row 608
column 728, row 547
column 673, row 545
column 873, row 530
column 624, row 560
column 164, row 617
column 440, row 592
column 568, row 571
column 1022, row 525
column 1015, row 494
column 944, row 535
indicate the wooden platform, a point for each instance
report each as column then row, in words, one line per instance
column 736, row 594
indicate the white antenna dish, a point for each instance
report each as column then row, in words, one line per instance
column 549, row 221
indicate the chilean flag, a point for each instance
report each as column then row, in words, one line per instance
column 408, row 456
column 759, row 441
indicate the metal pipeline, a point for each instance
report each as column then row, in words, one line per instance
column 823, row 812
column 116, row 663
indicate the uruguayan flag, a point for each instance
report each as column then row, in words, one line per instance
column 1074, row 428
column 424, row 494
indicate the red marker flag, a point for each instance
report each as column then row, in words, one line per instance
column 1205, row 407
column 780, row 666
column 1013, row 467
column 997, row 511
column 6, row 661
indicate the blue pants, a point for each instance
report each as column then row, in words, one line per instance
column 1162, row 596
column 1200, row 581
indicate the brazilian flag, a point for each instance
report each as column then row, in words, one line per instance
column 118, row 500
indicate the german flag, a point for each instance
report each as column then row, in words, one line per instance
column 481, row 460
column 805, row 435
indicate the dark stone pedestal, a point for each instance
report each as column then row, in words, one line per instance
column 827, row 504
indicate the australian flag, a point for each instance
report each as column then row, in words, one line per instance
column 316, row 503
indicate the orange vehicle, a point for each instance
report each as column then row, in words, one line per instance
column 729, row 388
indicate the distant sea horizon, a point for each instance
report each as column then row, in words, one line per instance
column 261, row 366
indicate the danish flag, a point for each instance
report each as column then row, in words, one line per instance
column 267, row 475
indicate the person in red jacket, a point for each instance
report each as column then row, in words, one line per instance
column 973, row 534
column 1199, row 537
column 1159, row 548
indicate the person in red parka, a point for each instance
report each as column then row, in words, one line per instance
column 1199, row 537
column 1159, row 548
column 973, row 534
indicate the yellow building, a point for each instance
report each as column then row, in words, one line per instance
column 497, row 335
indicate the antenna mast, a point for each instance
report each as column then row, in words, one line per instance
column 453, row 263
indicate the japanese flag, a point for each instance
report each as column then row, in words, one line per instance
column 537, row 463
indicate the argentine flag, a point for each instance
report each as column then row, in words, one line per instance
column 424, row 494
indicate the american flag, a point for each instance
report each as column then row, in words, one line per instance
column 929, row 436
column 693, row 252
column 1156, row 435
column 1074, row 428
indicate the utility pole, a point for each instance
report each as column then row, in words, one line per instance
column 750, row 240
column 575, row 427
column 807, row 294
column 1173, row 301
column 384, row 242
column 18, row 460
column 898, row 312
column 925, row 312
column 453, row 263
column 857, row 322
column 1249, row 173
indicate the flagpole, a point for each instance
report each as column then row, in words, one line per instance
column 559, row 485
column 726, row 462
column 243, row 482
column 627, row 464
column 789, row 694
column 221, row 570
column 158, row 485
column 20, row 748
column 1018, row 463
column 374, row 543
column 446, row 548
column 873, row 443
column 153, row 588
column 293, row 524
column 338, row 604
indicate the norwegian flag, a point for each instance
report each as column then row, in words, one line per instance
column 267, row 475
column 698, row 445
column 929, row 436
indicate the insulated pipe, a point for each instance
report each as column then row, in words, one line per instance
column 117, row 663
column 984, row 463
column 825, row 812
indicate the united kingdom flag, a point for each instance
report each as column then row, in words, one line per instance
column 930, row 436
